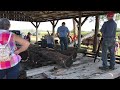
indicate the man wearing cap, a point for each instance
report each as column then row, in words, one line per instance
column 108, row 31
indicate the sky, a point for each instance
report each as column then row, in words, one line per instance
column 87, row 26
column 19, row 25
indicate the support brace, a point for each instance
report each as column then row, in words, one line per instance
column 36, row 26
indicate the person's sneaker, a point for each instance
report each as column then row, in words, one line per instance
column 103, row 68
column 112, row 68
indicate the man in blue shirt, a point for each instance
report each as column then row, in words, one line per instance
column 108, row 31
column 63, row 34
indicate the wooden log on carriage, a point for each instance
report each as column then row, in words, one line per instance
column 88, row 41
column 38, row 56
column 71, row 51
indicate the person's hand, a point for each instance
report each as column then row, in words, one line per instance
column 17, row 52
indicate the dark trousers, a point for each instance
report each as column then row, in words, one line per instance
column 64, row 43
column 11, row 73
column 50, row 45
column 108, row 44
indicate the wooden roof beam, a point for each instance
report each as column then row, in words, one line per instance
column 82, row 21
column 36, row 25
column 54, row 23
column 23, row 14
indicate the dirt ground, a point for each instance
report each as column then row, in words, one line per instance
column 82, row 68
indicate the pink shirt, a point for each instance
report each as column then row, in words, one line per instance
column 4, row 35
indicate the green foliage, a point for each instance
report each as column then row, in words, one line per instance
column 84, row 32
column 118, row 29
column 117, row 17
column 103, row 17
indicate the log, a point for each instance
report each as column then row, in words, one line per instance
column 88, row 41
column 71, row 51
column 44, row 56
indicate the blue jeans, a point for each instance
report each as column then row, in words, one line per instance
column 11, row 73
column 50, row 45
column 108, row 44
column 64, row 43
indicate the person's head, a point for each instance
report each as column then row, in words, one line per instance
column 110, row 15
column 4, row 23
column 29, row 33
column 63, row 23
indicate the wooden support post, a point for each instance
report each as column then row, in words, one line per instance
column 95, row 43
column 53, row 29
column 74, row 30
column 54, row 25
column 36, row 26
column 82, row 21
column 36, row 32
column 74, row 27
column 79, row 30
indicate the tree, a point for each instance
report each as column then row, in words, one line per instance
column 103, row 18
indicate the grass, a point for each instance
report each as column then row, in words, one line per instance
column 33, row 38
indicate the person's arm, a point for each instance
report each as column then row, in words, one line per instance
column 24, row 44
column 103, row 28
column 28, row 38
column 115, row 27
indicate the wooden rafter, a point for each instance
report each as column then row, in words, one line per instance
column 43, row 16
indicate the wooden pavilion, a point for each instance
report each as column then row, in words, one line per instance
column 36, row 17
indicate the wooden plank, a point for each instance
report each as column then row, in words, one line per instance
column 82, row 68
column 84, row 71
column 95, row 44
column 109, row 75
column 36, row 71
